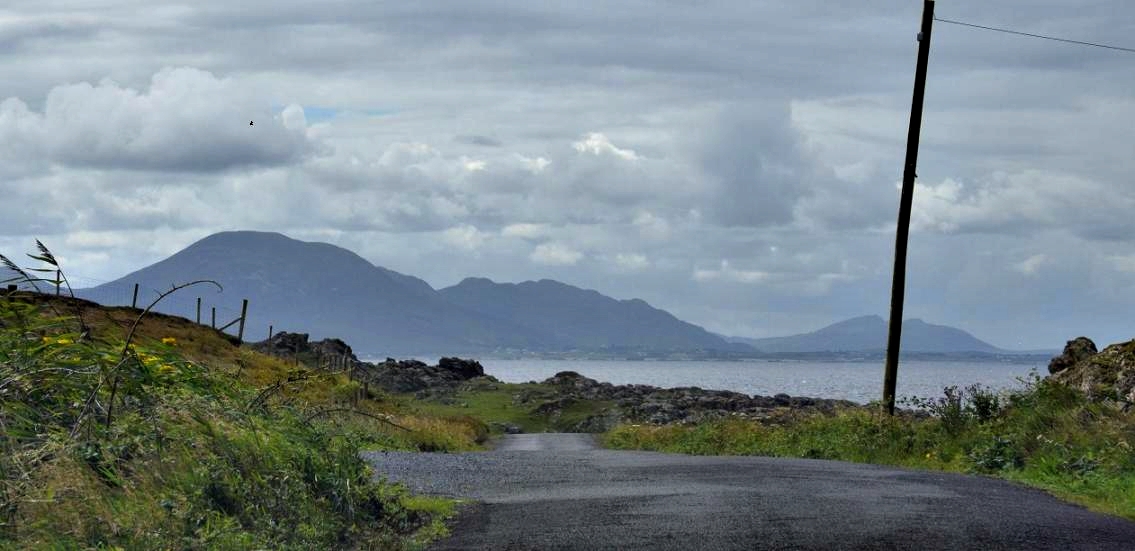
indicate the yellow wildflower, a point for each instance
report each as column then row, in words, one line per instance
column 64, row 341
column 47, row 340
column 167, row 369
column 169, row 340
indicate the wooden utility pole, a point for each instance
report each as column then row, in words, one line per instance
column 198, row 310
column 134, row 300
column 898, row 285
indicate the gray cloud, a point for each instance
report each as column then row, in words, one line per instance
column 474, row 139
column 625, row 147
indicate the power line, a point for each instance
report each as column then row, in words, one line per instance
column 1008, row 31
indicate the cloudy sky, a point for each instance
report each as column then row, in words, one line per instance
column 734, row 162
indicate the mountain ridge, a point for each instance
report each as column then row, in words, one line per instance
column 329, row 291
column 868, row 333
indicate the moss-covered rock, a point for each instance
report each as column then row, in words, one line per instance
column 1107, row 375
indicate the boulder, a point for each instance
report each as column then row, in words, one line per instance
column 464, row 369
column 283, row 344
column 1108, row 375
column 1076, row 351
column 404, row 376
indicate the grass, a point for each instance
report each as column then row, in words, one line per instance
column 498, row 404
column 210, row 445
column 1047, row 436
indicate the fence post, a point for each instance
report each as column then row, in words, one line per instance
column 243, row 315
column 269, row 332
column 214, row 317
column 134, row 301
column 198, row 310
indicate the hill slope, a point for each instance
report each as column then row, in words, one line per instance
column 296, row 285
column 570, row 317
column 332, row 292
column 869, row 334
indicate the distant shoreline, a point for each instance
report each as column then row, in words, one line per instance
column 825, row 357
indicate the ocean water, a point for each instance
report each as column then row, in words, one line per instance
column 856, row 381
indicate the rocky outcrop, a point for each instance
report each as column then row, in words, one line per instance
column 297, row 346
column 653, row 405
column 1076, row 351
column 1108, row 375
column 403, row 376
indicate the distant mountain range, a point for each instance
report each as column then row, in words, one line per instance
column 328, row 291
column 869, row 334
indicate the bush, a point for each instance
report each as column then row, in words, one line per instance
column 194, row 456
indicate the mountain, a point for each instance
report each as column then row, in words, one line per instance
column 328, row 291
column 869, row 334
column 577, row 318
column 314, row 288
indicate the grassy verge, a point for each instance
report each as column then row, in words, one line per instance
column 1046, row 435
column 181, row 439
column 523, row 405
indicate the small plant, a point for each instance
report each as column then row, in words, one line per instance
column 997, row 455
column 984, row 403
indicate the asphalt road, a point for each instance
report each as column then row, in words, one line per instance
column 559, row 491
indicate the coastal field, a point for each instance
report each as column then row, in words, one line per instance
column 173, row 434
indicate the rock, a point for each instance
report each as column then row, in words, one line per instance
column 327, row 353
column 1107, row 375
column 283, row 344
column 465, row 369
column 659, row 406
column 404, row 376
column 1076, row 351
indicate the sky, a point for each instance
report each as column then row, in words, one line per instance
column 736, row 163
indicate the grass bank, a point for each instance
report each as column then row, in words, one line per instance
column 527, row 406
column 1046, row 435
column 180, row 439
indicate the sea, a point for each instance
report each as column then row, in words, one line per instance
column 859, row 382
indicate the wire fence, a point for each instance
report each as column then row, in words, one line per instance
column 202, row 303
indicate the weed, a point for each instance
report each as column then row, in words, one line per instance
column 1045, row 434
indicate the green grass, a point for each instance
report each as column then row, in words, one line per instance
column 210, row 445
column 1047, row 435
column 497, row 403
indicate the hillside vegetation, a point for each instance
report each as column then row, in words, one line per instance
column 1047, row 435
column 180, row 439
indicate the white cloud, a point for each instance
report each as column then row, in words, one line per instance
column 631, row 261
column 728, row 273
column 187, row 120
column 1123, row 263
column 555, row 254
column 651, row 226
column 466, row 237
column 525, row 231
column 536, row 165
column 473, row 165
column 1031, row 265
column 1024, row 201
column 596, row 143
